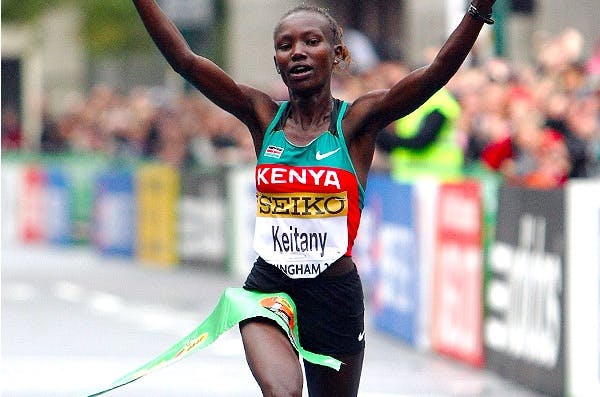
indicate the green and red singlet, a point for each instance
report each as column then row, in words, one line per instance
column 308, row 199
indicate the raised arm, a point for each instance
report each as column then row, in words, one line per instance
column 242, row 101
column 381, row 108
column 372, row 112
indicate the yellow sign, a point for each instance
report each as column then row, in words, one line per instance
column 158, row 197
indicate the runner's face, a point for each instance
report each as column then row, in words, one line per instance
column 304, row 53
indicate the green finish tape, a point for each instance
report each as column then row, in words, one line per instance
column 235, row 305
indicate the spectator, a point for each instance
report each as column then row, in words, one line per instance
column 562, row 116
column 533, row 155
column 51, row 139
column 11, row 129
column 515, row 155
column 425, row 142
column 553, row 163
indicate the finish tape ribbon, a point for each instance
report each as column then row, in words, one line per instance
column 235, row 305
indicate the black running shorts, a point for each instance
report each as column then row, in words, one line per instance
column 330, row 308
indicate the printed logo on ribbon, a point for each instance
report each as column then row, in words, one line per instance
column 192, row 344
column 281, row 307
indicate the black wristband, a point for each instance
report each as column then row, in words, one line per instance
column 483, row 18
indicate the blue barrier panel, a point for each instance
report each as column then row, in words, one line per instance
column 58, row 208
column 395, row 267
column 114, row 213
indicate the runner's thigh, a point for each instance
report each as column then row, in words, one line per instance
column 272, row 358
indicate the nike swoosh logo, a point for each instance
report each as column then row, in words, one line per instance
column 320, row 156
column 361, row 336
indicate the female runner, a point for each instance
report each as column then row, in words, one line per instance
column 314, row 153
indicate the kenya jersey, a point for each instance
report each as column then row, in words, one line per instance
column 308, row 198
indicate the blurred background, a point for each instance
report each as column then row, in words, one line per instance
column 479, row 246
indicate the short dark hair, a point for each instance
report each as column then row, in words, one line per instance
column 335, row 29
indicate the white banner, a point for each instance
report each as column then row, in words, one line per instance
column 241, row 194
column 11, row 179
column 583, row 288
column 426, row 194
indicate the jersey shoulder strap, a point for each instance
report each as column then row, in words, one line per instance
column 276, row 123
column 337, row 114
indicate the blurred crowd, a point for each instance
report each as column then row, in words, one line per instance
column 147, row 124
column 536, row 124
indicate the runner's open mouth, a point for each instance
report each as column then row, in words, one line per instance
column 300, row 69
